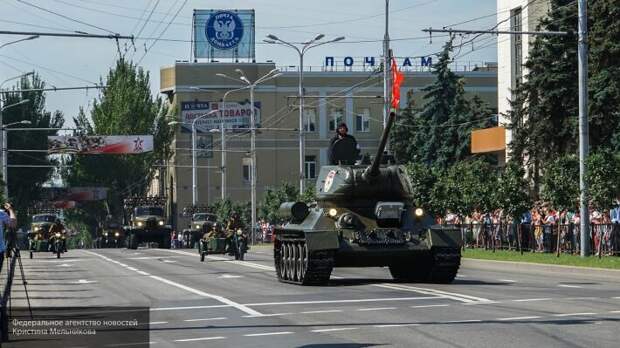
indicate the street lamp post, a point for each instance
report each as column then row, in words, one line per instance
column 32, row 37
column 223, row 140
column 5, row 160
column 301, row 51
column 251, row 85
column 194, row 176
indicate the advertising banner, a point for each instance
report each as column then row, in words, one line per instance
column 95, row 145
column 233, row 114
column 78, row 194
column 224, row 34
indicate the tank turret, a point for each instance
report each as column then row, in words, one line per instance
column 363, row 217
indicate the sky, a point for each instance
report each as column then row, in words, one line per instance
column 69, row 62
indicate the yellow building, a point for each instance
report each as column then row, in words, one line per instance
column 335, row 96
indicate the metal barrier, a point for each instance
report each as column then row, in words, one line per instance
column 563, row 238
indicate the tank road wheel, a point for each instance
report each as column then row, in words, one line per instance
column 294, row 264
column 445, row 265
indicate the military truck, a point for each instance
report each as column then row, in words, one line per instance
column 112, row 235
column 145, row 221
column 363, row 217
column 201, row 222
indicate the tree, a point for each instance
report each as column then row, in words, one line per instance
column 439, row 133
column 225, row 208
column 25, row 183
column 560, row 183
column 512, row 194
column 603, row 171
column 125, row 107
column 274, row 197
column 423, row 178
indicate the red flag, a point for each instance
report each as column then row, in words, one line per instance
column 397, row 79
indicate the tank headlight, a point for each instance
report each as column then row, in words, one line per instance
column 197, row 227
column 37, row 228
column 105, row 233
column 419, row 212
column 57, row 235
column 333, row 212
column 140, row 223
column 116, row 234
column 161, row 222
column 239, row 231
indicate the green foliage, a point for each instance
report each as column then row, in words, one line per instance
column 512, row 191
column 274, row 197
column 603, row 172
column 125, row 107
column 25, row 183
column 465, row 187
column 83, row 234
column 224, row 209
column 560, row 182
column 439, row 133
column 423, row 178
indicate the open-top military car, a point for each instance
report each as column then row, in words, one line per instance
column 145, row 221
column 231, row 242
column 46, row 235
column 201, row 222
column 363, row 217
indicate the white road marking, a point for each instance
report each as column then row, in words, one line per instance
column 518, row 318
column 184, row 308
column 229, row 276
column 84, row 281
column 463, row 321
column 340, row 301
column 461, row 276
column 222, row 299
column 480, row 303
column 201, row 339
column 132, row 269
column 158, row 322
column 430, row 306
column 267, row 315
column 507, row 280
column 616, row 298
column 143, row 273
column 122, row 264
column 573, row 314
column 169, row 261
column 614, row 311
column 444, row 294
column 396, row 325
column 569, row 286
column 531, row 299
column 150, row 257
column 269, row 334
column 335, row 329
column 205, row 319
column 376, row 309
column 129, row 344
column 63, row 261
column 64, row 265
column 325, row 311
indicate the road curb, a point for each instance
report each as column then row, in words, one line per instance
column 528, row 267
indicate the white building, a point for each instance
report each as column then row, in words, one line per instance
column 512, row 50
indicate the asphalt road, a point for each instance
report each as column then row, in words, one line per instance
column 226, row 303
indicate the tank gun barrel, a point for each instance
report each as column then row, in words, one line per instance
column 373, row 170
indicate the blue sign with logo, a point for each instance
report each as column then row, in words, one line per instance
column 224, row 34
column 224, row 30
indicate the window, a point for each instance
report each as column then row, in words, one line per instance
column 247, row 165
column 517, row 47
column 310, row 167
column 309, row 120
column 336, row 116
column 362, row 119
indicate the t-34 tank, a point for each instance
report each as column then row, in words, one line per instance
column 363, row 217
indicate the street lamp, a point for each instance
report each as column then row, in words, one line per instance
column 5, row 162
column 301, row 50
column 20, row 40
column 243, row 79
column 194, row 178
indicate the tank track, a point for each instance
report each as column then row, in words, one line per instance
column 295, row 265
column 445, row 265
column 440, row 266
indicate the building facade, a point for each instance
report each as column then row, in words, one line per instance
column 332, row 96
column 512, row 50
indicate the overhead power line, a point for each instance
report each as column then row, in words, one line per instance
column 84, row 35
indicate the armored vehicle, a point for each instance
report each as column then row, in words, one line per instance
column 363, row 217
column 113, row 235
column 201, row 223
column 145, row 221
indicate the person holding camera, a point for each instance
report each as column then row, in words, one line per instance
column 7, row 220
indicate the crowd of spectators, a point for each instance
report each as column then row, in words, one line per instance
column 541, row 229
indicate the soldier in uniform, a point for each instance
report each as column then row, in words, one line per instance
column 58, row 227
column 341, row 133
column 233, row 224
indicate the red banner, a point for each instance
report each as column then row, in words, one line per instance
column 397, row 80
